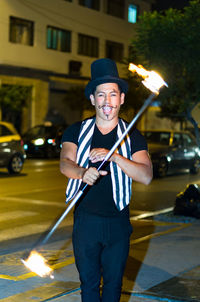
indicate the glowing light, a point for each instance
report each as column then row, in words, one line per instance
column 152, row 80
column 25, row 147
column 37, row 264
column 38, row 141
column 132, row 13
column 51, row 141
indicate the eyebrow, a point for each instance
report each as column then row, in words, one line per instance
column 101, row 91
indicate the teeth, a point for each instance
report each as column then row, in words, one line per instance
column 107, row 109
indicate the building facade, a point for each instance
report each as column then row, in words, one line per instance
column 49, row 46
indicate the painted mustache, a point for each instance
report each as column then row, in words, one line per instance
column 114, row 107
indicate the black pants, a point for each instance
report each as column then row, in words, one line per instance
column 101, row 246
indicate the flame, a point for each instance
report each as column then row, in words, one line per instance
column 152, row 80
column 37, row 264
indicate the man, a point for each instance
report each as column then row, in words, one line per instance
column 101, row 219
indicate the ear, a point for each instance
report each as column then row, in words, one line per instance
column 122, row 96
column 92, row 99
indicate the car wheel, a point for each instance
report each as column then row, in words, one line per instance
column 162, row 168
column 15, row 165
column 195, row 167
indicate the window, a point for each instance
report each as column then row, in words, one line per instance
column 21, row 31
column 94, row 4
column 187, row 140
column 116, row 8
column 88, row 46
column 132, row 13
column 75, row 67
column 114, row 51
column 177, row 139
column 58, row 39
column 157, row 137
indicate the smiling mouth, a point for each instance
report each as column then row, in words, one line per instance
column 107, row 108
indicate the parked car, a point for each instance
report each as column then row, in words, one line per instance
column 192, row 130
column 12, row 154
column 43, row 140
column 171, row 151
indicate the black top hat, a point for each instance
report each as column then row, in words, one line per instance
column 104, row 71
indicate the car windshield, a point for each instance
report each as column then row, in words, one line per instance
column 154, row 137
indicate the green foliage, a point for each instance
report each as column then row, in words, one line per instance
column 169, row 43
column 14, row 97
column 136, row 94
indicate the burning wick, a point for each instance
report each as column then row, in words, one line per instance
column 152, row 80
column 37, row 264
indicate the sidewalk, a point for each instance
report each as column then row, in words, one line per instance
column 170, row 270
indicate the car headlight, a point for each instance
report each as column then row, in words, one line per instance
column 169, row 158
column 38, row 141
column 197, row 150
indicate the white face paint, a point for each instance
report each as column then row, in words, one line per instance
column 107, row 100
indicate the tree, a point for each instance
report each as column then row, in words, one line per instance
column 12, row 99
column 169, row 42
column 134, row 98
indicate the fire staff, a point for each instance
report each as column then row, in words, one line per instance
column 102, row 226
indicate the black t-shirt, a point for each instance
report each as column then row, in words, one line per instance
column 98, row 199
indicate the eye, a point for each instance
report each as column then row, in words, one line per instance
column 100, row 95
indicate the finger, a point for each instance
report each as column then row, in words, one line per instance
column 93, row 156
column 98, row 157
column 103, row 173
column 97, row 152
column 93, row 152
column 95, row 159
column 91, row 174
column 91, row 179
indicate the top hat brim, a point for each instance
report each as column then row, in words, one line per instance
column 89, row 89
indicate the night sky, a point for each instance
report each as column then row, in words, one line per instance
column 165, row 4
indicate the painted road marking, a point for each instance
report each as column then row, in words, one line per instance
column 16, row 215
column 34, row 201
column 38, row 190
column 59, row 265
column 153, row 213
column 30, row 229
column 147, row 237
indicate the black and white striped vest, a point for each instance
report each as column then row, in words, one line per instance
column 121, row 183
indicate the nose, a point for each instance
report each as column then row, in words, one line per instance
column 107, row 98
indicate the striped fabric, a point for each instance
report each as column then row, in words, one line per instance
column 120, row 181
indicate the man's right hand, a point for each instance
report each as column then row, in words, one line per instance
column 91, row 175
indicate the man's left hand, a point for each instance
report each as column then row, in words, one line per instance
column 98, row 154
